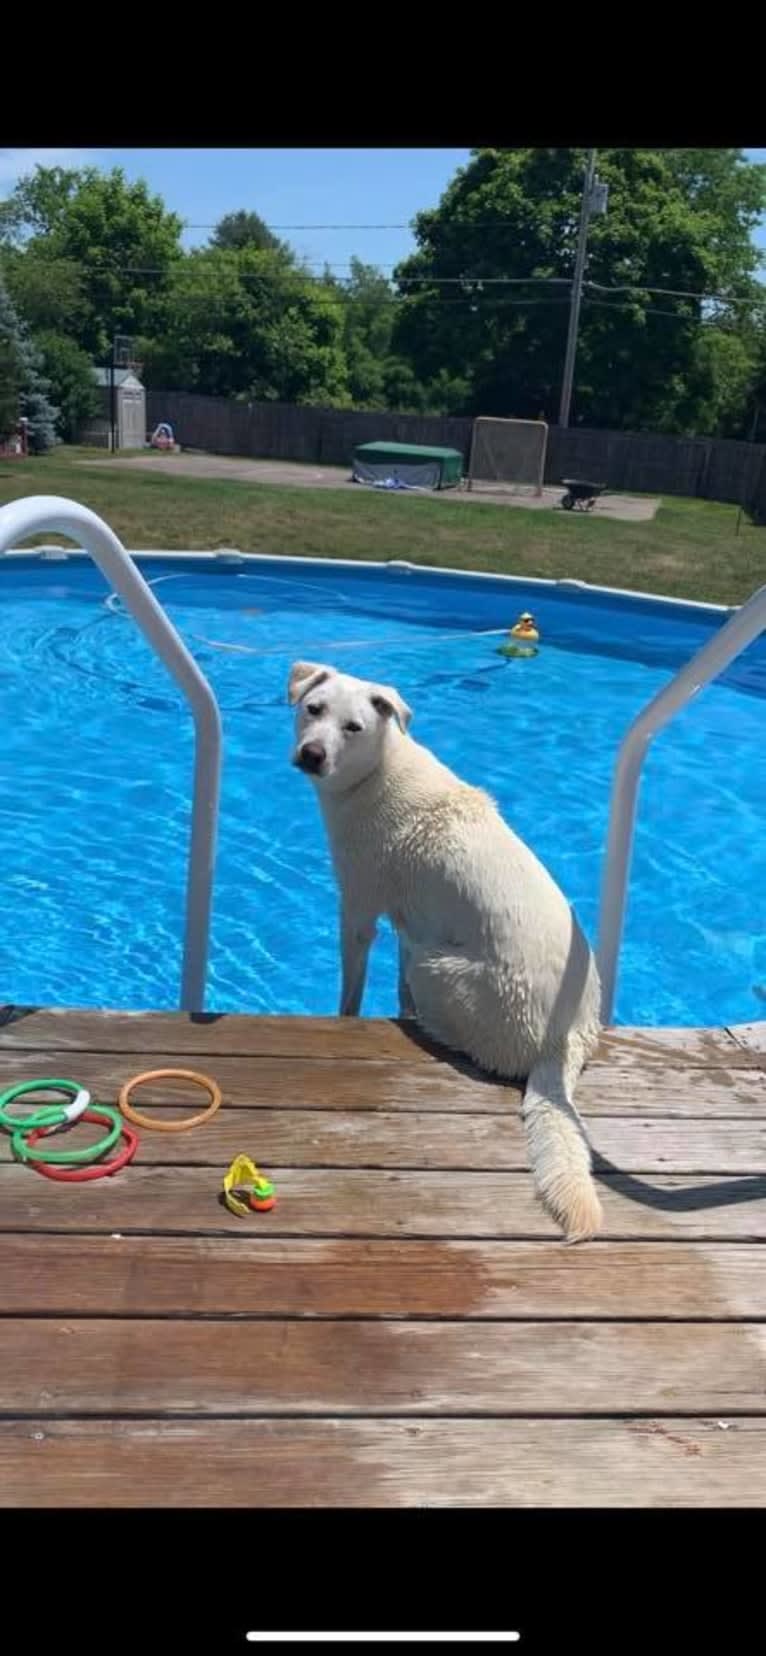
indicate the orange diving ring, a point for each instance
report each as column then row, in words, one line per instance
column 153, row 1125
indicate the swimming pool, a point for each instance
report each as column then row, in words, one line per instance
column 96, row 772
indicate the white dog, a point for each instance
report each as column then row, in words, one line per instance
column 492, row 962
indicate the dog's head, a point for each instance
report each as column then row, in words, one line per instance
column 342, row 724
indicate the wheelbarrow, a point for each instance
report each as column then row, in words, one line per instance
column 581, row 494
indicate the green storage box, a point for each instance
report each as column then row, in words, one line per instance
column 407, row 466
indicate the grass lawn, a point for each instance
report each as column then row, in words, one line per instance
column 689, row 550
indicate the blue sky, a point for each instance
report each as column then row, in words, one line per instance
column 287, row 187
column 320, row 187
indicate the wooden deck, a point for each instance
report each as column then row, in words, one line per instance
column 404, row 1328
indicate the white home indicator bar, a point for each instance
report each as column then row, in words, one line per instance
column 383, row 1638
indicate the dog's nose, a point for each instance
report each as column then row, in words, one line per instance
column 312, row 756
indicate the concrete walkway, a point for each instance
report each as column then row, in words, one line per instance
column 629, row 508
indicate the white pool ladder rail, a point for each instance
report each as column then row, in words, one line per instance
column 49, row 514
column 741, row 629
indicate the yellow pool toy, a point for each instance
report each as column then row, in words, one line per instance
column 522, row 639
column 244, row 1188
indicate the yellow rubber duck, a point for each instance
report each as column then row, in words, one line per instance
column 522, row 639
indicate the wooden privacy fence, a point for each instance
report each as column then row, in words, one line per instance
column 290, row 431
column 709, row 468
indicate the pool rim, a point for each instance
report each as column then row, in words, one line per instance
column 627, row 597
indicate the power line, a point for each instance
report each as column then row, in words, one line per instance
column 351, row 299
column 648, row 310
column 680, row 293
column 441, row 281
column 468, row 282
column 187, row 225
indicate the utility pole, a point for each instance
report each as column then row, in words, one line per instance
column 579, row 271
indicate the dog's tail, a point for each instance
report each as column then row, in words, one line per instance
column 559, row 1153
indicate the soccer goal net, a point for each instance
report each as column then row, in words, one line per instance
column 508, row 454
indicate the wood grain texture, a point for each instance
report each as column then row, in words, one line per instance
column 605, row 1089
column 151, row 1033
column 644, row 1462
column 752, row 1036
column 347, row 1083
column 256, row 1276
column 407, row 1270
column 337, row 1202
column 286, row 1083
column 119, row 1367
column 358, row 1139
column 675, row 1048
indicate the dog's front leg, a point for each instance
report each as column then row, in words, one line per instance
column 356, row 939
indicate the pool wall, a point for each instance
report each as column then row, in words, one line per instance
column 269, row 562
column 651, row 627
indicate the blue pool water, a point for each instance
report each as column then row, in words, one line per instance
column 96, row 756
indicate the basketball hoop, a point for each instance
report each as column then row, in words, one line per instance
column 123, row 353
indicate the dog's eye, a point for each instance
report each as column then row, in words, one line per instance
column 352, row 728
column 315, row 709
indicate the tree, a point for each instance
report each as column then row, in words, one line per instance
column 47, row 293
column 236, row 231
column 70, row 372
column 120, row 239
column 33, row 402
column 485, row 298
column 247, row 325
column 402, row 390
column 36, row 205
column 758, row 392
column 378, row 378
column 10, row 388
column 368, row 311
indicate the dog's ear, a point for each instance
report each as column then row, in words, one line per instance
column 388, row 702
column 304, row 676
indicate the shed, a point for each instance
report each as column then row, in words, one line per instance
column 407, row 466
column 130, row 413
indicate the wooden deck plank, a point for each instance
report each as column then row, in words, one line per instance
column 293, row 1083
column 150, row 1033
column 153, row 1366
column 343, row 1083
column 407, row 1269
column 642, row 1049
column 256, row 1276
column 642, row 1462
column 604, row 1090
column 333, row 1202
column 751, row 1035
column 357, row 1139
